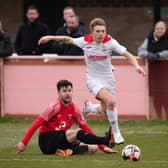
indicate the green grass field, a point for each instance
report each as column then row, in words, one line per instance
column 150, row 136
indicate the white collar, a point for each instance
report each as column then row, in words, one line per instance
column 155, row 38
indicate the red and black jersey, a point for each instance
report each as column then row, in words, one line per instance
column 57, row 116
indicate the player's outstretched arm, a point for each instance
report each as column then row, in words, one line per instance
column 21, row 146
column 63, row 39
column 134, row 62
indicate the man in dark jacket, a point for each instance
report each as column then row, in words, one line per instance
column 5, row 43
column 73, row 29
column 29, row 33
column 156, row 44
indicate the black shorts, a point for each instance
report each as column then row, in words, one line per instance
column 50, row 141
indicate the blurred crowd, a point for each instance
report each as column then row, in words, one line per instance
column 29, row 32
column 155, row 45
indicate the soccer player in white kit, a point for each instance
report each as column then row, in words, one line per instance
column 98, row 47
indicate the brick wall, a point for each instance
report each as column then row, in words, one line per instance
column 129, row 26
column 11, row 15
column 114, row 3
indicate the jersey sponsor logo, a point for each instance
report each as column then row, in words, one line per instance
column 96, row 58
column 69, row 116
column 88, row 47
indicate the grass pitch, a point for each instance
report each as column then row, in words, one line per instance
column 150, row 136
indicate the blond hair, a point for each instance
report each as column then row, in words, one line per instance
column 96, row 22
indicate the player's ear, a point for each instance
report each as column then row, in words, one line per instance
column 58, row 92
column 71, row 90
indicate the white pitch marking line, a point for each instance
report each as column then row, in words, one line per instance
column 142, row 161
column 68, row 160
column 21, row 159
column 147, row 132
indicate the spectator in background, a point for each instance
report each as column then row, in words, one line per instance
column 57, row 47
column 155, row 46
column 5, row 43
column 29, row 33
column 68, row 11
column 72, row 29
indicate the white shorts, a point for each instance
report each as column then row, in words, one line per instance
column 96, row 84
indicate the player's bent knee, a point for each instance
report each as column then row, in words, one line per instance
column 72, row 131
column 92, row 149
column 110, row 104
column 71, row 135
column 77, row 130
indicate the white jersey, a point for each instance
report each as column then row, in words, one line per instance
column 98, row 55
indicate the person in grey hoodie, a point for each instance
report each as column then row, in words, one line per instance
column 155, row 46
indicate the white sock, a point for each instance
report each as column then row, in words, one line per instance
column 113, row 119
column 92, row 108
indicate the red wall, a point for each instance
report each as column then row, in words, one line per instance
column 158, row 89
column 29, row 84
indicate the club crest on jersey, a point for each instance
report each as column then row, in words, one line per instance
column 69, row 116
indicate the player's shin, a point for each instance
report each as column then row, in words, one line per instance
column 113, row 119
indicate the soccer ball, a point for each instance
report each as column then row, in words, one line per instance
column 131, row 153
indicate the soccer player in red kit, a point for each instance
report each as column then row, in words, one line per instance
column 55, row 132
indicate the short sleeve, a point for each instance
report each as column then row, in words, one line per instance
column 117, row 47
column 80, row 42
column 50, row 111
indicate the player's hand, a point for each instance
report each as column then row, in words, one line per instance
column 109, row 150
column 43, row 40
column 20, row 147
column 140, row 70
